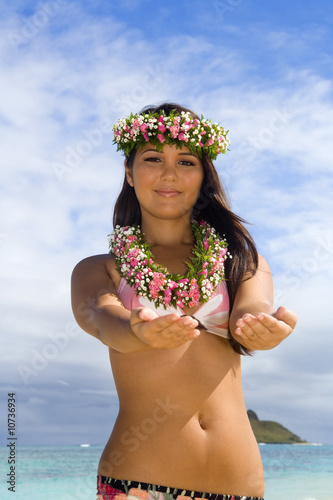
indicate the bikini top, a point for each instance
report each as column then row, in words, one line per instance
column 213, row 315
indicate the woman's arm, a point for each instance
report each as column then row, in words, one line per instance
column 99, row 312
column 253, row 321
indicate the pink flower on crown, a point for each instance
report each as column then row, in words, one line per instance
column 174, row 129
column 161, row 127
column 182, row 137
column 160, row 137
column 136, row 123
column 206, row 244
column 144, row 127
column 134, row 262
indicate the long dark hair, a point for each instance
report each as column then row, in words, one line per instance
column 212, row 206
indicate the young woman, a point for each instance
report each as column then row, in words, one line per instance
column 181, row 296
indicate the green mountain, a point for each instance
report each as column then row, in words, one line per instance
column 267, row 431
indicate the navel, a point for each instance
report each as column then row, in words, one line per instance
column 202, row 422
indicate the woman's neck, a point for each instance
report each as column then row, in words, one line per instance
column 167, row 232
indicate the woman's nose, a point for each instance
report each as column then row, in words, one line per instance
column 169, row 170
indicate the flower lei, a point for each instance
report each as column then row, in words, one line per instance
column 134, row 262
column 158, row 129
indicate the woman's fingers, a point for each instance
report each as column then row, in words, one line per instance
column 288, row 317
column 169, row 330
column 147, row 314
column 265, row 331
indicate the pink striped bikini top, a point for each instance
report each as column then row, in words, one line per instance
column 213, row 315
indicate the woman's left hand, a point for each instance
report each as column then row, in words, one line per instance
column 264, row 331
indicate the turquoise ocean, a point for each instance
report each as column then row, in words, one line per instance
column 293, row 472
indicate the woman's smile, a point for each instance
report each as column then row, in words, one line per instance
column 167, row 192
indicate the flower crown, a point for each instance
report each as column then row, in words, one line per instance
column 176, row 128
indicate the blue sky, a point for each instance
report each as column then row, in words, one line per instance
column 68, row 70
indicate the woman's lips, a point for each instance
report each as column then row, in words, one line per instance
column 168, row 193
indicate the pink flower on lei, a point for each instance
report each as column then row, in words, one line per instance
column 134, row 252
column 181, row 293
column 156, row 284
column 168, row 292
column 131, row 238
column 194, row 293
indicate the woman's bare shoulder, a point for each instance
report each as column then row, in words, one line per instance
column 95, row 272
column 95, row 260
column 97, row 265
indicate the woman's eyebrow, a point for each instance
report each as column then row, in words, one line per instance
column 154, row 150
column 188, row 154
column 162, row 152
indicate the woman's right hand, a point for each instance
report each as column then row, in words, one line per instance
column 163, row 332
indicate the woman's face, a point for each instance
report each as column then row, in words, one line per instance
column 167, row 183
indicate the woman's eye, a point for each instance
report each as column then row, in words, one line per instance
column 152, row 158
column 186, row 163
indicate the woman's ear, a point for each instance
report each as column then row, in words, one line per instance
column 128, row 172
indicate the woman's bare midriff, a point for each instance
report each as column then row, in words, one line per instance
column 182, row 420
